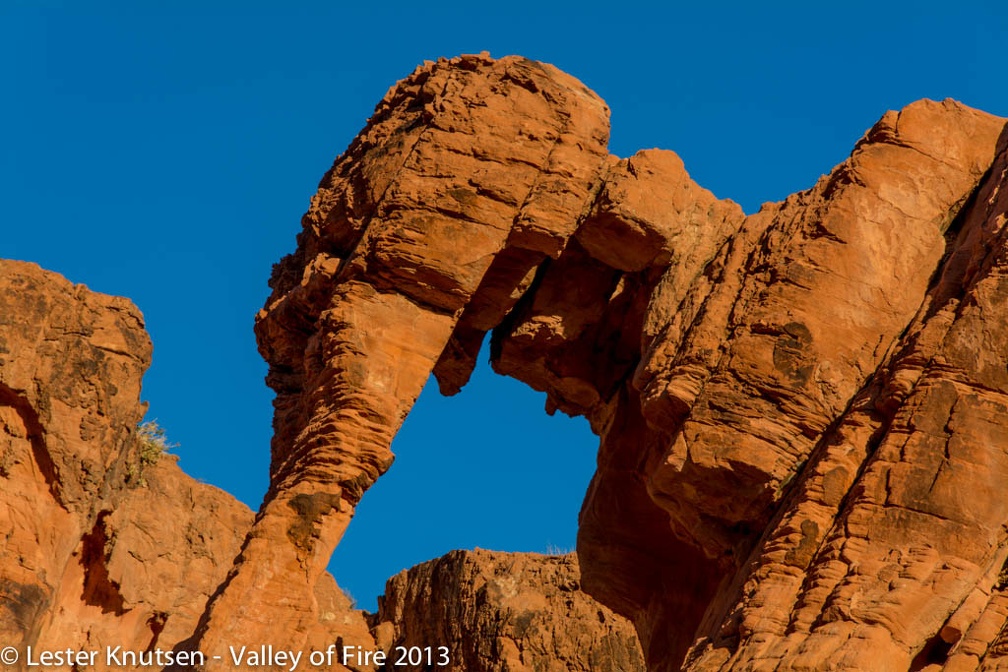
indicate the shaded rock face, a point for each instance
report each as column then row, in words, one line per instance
column 504, row 611
column 801, row 412
column 100, row 547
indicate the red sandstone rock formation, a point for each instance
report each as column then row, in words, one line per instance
column 803, row 413
column 505, row 611
column 106, row 545
column 793, row 407
column 100, row 548
column 424, row 234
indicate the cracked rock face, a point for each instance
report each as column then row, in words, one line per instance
column 505, row 611
column 99, row 547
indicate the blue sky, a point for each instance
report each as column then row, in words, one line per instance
column 167, row 154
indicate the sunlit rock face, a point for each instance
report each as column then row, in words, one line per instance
column 497, row 611
column 422, row 237
column 104, row 544
column 802, row 413
column 795, row 408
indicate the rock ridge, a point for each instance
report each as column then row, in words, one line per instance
column 92, row 558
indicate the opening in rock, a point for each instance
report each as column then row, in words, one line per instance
column 484, row 468
column 936, row 650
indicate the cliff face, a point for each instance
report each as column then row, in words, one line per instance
column 105, row 543
column 802, row 413
column 102, row 546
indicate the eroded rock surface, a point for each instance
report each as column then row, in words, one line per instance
column 105, row 544
column 470, row 174
column 100, row 547
column 498, row 612
column 800, row 412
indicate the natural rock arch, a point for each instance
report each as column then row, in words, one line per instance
column 770, row 391
column 484, row 469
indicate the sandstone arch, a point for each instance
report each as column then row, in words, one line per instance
column 789, row 404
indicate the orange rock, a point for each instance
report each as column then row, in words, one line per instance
column 462, row 160
column 803, row 413
column 764, row 492
column 495, row 611
column 100, row 548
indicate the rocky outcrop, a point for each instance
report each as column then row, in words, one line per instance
column 794, row 408
column 503, row 611
column 888, row 412
column 106, row 545
column 103, row 544
column 422, row 235
column 802, row 413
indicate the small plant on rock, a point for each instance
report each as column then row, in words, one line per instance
column 151, row 443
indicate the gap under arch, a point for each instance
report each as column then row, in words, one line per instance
column 487, row 467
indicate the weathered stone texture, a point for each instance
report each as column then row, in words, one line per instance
column 464, row 162
column 99, row 548
column 498, row 612
column 795, row 408
column 802, row 413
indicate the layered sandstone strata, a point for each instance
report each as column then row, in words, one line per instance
column 125, row 553
column 496, row 612
column 425, row 232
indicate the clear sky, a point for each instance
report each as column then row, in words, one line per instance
column 167, row 154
